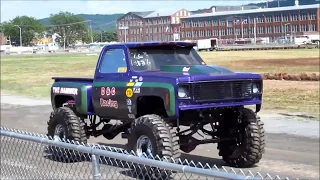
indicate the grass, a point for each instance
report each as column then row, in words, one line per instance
column 292, row 96
column 31, row 75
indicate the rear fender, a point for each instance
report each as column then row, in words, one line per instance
column 62, row 92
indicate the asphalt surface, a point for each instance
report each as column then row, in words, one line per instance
column 286, row 155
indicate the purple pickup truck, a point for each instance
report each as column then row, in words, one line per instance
column 153, row 89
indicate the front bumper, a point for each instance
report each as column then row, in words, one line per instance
column 184, row 106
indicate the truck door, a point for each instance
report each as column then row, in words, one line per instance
column 108, row 89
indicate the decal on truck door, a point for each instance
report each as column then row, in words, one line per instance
column 108, row 103
column 129, row 92
column 108, row 91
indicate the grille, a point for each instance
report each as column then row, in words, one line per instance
column 222, row 90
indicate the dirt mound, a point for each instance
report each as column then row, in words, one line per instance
column 291, row 77
column 286, row 62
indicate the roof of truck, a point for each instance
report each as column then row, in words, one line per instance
column 157, row 43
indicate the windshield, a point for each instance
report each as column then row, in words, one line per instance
column 152, row 58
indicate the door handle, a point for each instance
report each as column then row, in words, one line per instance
column 99, row 77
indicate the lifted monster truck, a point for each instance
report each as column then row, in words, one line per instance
column 155, row 88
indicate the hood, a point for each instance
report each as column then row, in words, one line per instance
column 199, row 73
column 196, row 69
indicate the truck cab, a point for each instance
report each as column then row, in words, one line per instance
column 155, row 87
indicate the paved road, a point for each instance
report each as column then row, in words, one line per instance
column 286, row 155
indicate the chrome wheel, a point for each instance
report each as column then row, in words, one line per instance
column 59, row 133
column 144, row 147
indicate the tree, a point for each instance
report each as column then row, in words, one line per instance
column 70, row 27
column 31, row 29
column 105, row 36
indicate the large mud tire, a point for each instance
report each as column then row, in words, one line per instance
column 73, row 131
column 250, row 151
column 164, row 142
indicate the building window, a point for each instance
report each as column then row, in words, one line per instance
column 312, row 27
column 303, row 27
column 260, row 19
column 195, row 33
column 285, row 17
column 230, row 24
column 252, row 20
column 187, row 34
column 246, row 31
column 260, row 30
column 251, row 30
column 269, row 30
column 238, row 31
column 194, row 24
column 230, row 31
column 222, row 23
column 208, row 33
column 286, row 28
column 269, row 19
column 201, row 23
column 303, row 16
column 201, row 34
column 277, row 29
column 222, row 32
column 208, row 23
column 216, row 32
column 294, row 17
column 244, row 21
column 312, row 15
column 277, row 18
column 295, row 28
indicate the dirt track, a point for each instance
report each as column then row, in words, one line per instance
column 282, row 62
column 286, row 155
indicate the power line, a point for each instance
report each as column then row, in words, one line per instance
column 66, row 24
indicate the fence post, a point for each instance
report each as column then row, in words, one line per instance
column 95, row 167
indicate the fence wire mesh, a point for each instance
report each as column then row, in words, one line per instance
column 26, row 155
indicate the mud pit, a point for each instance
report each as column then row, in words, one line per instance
column 283, row 62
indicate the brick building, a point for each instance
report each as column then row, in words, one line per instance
column 270, row 23
column 150, row 25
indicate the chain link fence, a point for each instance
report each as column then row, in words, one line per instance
column 26, row 155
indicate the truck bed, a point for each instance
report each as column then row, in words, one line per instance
column 82, row 97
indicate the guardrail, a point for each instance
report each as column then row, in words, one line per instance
column 264, row 47
column 33, row 156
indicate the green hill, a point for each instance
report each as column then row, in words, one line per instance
column 108, row 21
column 103, row 21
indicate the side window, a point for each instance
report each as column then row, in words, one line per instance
column 113, row 61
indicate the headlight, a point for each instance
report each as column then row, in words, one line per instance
column 183, row 92
column 255, row 88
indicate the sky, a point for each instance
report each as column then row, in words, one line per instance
column 43, row 8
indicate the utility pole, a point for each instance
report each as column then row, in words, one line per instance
column 65, row 37
column 242, row 27
column 91, row 32
column 20, row 35
column 255, row 31
column 101, row 31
